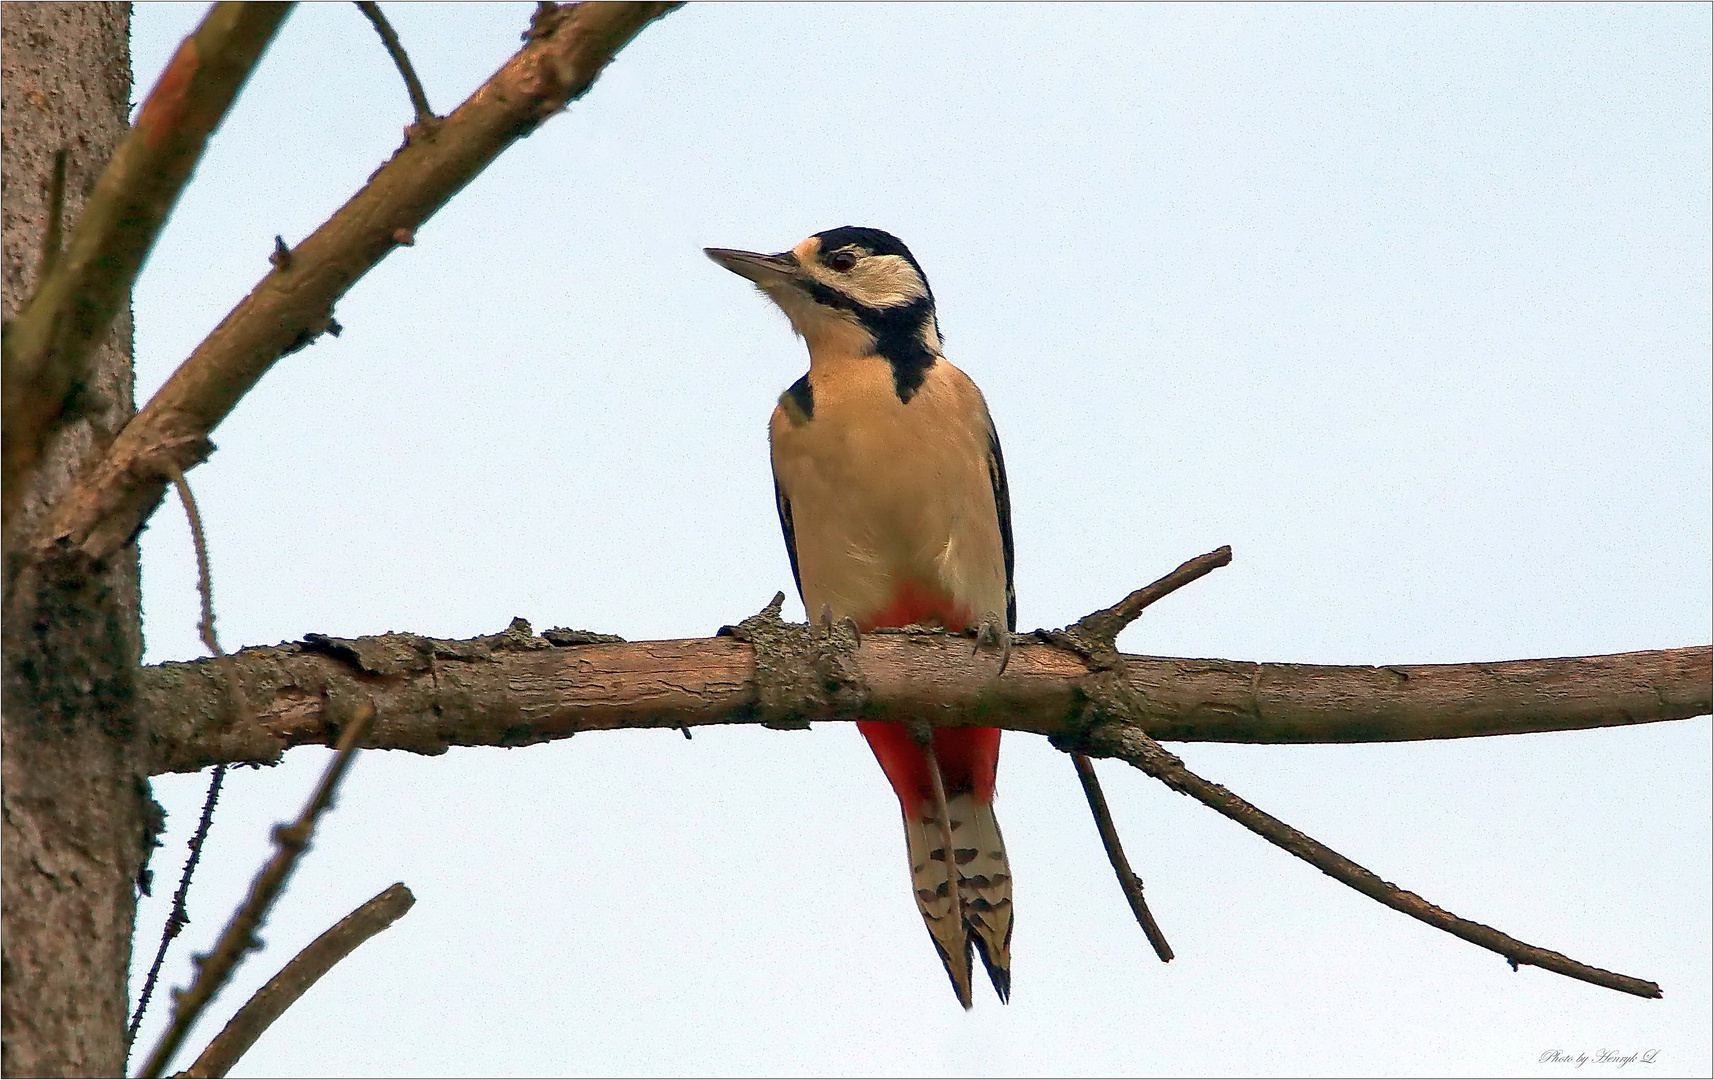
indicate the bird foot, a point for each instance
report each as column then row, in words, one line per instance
column 993, row 634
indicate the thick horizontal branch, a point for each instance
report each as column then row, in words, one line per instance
column 514, row 688
column 567, row 48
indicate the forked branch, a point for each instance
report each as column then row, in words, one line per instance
column 1128, row 744
column 293, row 304
column 49, row 343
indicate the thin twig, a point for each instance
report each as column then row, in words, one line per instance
column 1107, row 622
column 281, row 991
column 239, row 937
column 56, row 216
column 233, row 686
column 1126, row 742
column 419, row 100
column 178, row 918
column 1128, row 881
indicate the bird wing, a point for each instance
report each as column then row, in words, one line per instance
column 1002, row 505
column 784, row 506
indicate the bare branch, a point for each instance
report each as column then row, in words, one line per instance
column 293, row 304
column 239, row 937
column 514, row 688
column 1128, row 881
column 284, row 989
column 1128, row 744
column 47, row 347
column 419, row 100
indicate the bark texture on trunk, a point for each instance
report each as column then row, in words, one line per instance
column 76, row 811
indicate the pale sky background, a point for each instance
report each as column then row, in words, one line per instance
column 1409, row 305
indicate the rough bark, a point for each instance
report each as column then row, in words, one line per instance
column 75, row 807
column 513, row 689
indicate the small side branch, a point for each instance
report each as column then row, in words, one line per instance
column 205, row 588
column 1128, row 881
column 1107, row 622
column 239, row 937
column 419, row 100
column 284, row 989
column 1128, row 744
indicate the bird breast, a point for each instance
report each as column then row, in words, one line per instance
column 892, row 502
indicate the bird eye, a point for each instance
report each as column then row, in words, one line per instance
column 842, row 261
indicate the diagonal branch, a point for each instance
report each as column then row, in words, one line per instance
column 1128, row 744
column 239, row 937
column 280, row 992
column 1107, row 622
column 49, row 343
column 293, row 304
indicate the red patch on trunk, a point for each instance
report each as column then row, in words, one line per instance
column 161, row 112
column 968, row 756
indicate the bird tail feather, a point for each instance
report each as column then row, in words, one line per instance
column 982, row 922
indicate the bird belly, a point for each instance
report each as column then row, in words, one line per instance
column 892, row 503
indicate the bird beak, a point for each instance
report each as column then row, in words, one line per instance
column 764, row 270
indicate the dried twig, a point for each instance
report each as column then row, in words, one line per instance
column 281, row 991
column 239, row 937
column 1128, row 881
column 178, row 918
column 293, row 306
column 419, row 100
column 49, row 343
column 1127, row 743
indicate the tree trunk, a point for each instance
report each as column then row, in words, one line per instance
column 76, row 811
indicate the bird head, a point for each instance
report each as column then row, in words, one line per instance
column 848, row 289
